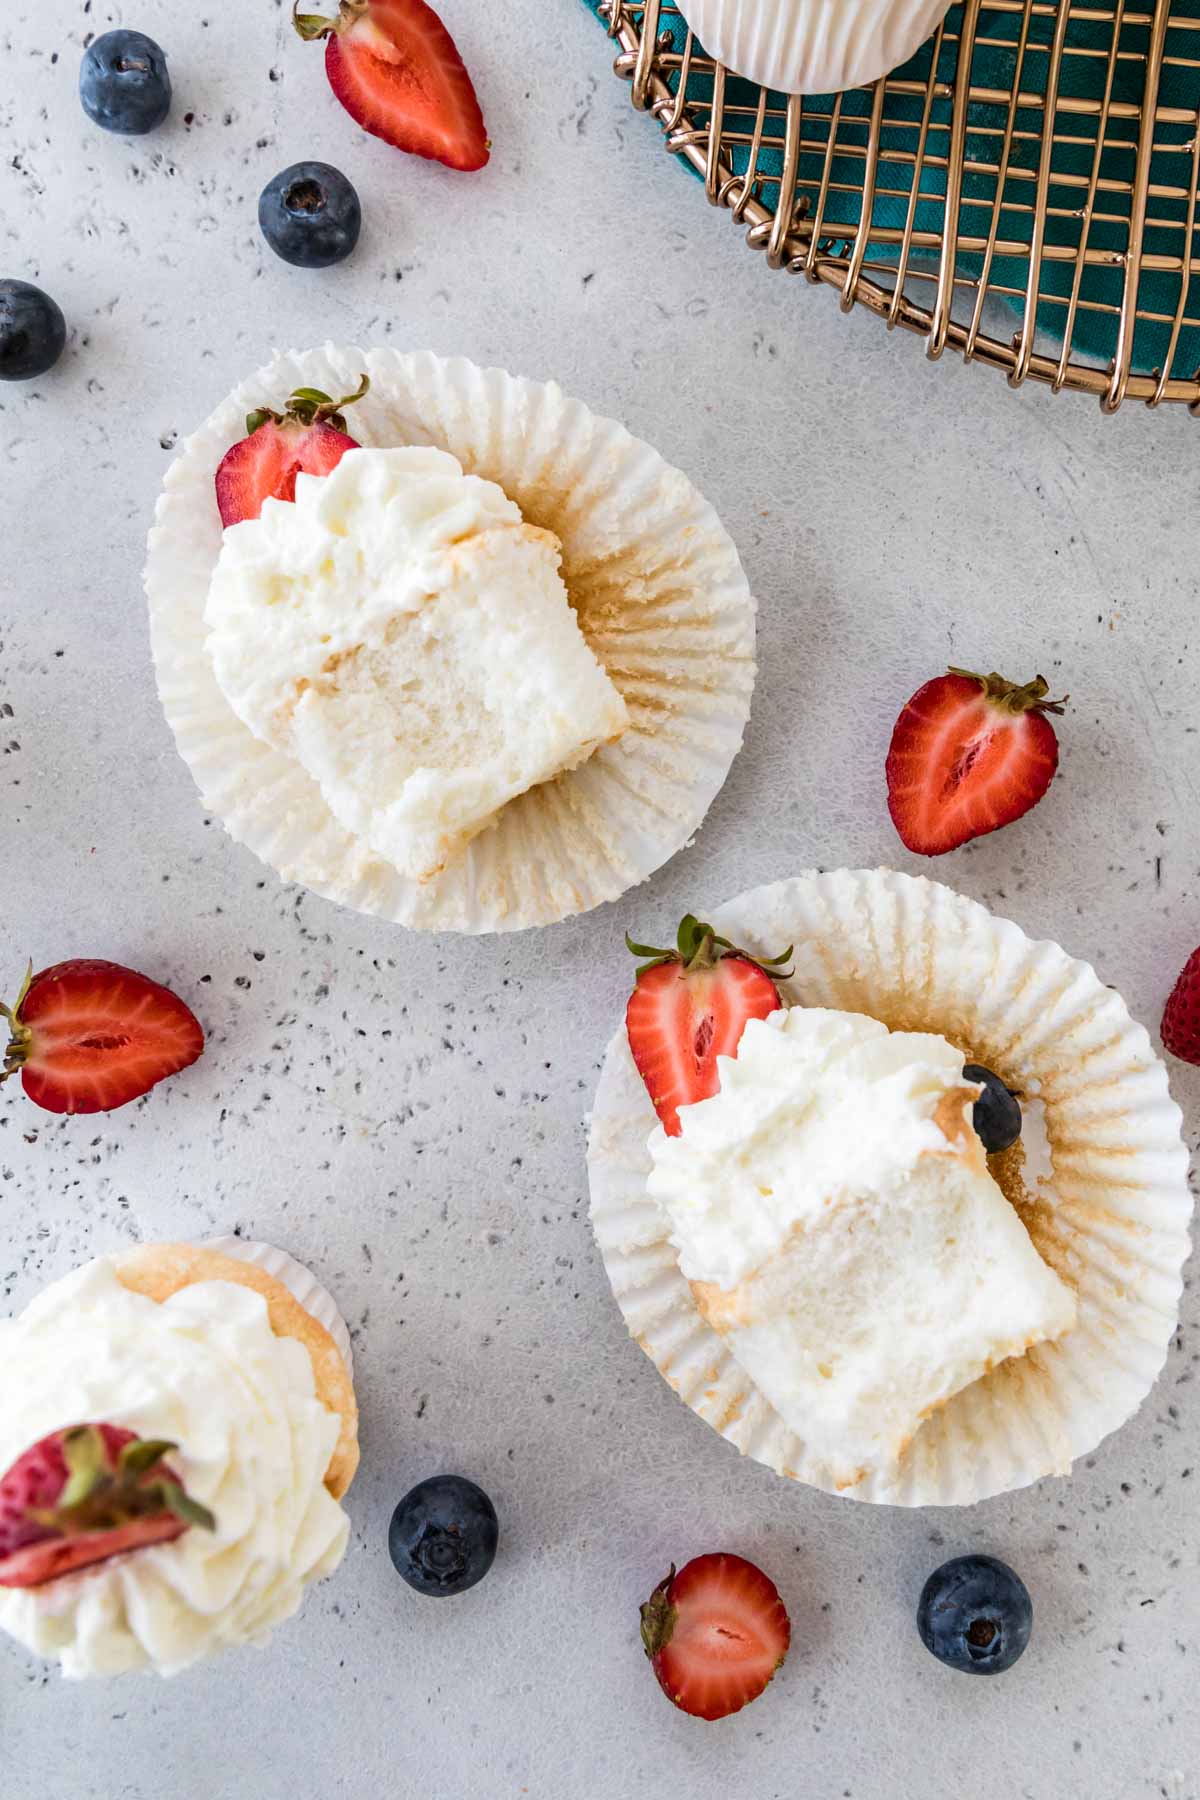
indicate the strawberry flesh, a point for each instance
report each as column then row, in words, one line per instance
column 47, row 1529
column 396, row 70
column 264, row 466
column 968, row 755
column 715, row 1633
column 679, row 1023
column 89, row 1036
column 36, row 1564
column 1181, row 1015
column 36, row 1480
column 689, row 1006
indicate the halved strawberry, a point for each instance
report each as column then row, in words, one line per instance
column 86, row 1493
column 308, row 439
column 89, row 1036
column 689, row 1006
column 715, row 1634
column 396, row 70
column 969, row 754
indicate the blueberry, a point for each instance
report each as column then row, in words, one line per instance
column 443, row 1535
column 123, row 83
column 975, row 1615
column 997, row 1114
column 32, row 331
column 310, row 215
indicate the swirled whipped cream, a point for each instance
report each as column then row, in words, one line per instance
column 833, row 1211
column 403, row 634
column 205, row 1370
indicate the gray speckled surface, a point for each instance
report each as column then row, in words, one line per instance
column 406, row 1113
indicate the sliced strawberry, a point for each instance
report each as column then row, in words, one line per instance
column 969, row 754
column 36, row 1564
column 689, row 1006
column 308, row 439
column 84, row 1494
column 1181, row 1015
column 37, row 1479
column 715, row 1634
column 90, row 1036
column 395, row 69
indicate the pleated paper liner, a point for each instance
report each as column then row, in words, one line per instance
column 658, row 591
column 1104, row 1193
column 812, row 46
column 300, row 1282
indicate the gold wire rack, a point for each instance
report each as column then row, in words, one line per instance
column 1024, row 190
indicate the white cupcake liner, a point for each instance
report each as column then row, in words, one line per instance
column 812, row 46
column 658, row 590
column 300, row 1282
column 1111, row 1215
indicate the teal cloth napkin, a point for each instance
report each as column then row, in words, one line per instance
column 1084, row 73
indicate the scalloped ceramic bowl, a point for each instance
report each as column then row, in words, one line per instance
column 812, row 46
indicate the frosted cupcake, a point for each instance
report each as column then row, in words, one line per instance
column 177, row 1427
column 812, row 46
column 815, row 1244
column 449, row 649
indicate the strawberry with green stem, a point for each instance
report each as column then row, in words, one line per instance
column 969, row 753
column 308, row 438
column 87, row 1493
column 689, row 1006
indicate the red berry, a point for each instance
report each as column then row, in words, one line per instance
column 309, row 438
column 969, row 753
column 84, row 1494
column 89, row 1036
column 1181, row 1015
column 396, row 70
column 715, row 1634
column 689, row 1006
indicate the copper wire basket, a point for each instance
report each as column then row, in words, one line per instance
column 1024, row 190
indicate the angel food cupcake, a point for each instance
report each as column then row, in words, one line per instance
column 480, row 665
column 398, row 631
column 177, row 1429
column 911, row 1223
column 812, row 46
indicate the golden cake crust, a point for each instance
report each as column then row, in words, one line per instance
column 160, row 1270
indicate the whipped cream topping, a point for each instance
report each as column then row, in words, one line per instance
column 833, row 1209
column 402, row 633
column 205, row 1370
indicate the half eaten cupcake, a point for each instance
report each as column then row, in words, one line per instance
column 835, row 1216
column 449, row 649
column 397, row 629
column 814, row 1243
column 177, row 1429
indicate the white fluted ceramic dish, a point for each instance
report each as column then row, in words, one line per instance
column 658, row 590
column 1108, row 1206
column 812, row 46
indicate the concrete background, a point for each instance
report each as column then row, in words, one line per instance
column 406, row 1113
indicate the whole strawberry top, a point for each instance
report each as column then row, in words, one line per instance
column 690, row 1005
column 308, row 438
column 88, row 1036
column 1181, row 1015
column 396, row 70
column 84, row 1494
column 969, row 753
